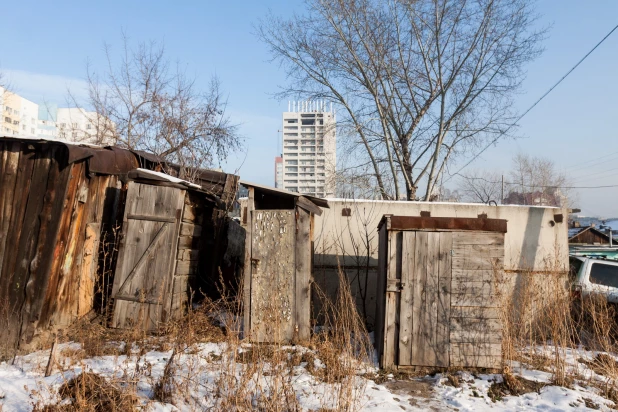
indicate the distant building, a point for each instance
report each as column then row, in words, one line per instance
column 309, row 148
column 23, row 118
column 279, row 172
column 19, row 115
column 78, row 125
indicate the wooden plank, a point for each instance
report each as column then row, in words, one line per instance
column 419, row 299
column 431, row 297
column 188, row 254
column 483, row 251
column 381, row 292
column 465, row 275
column 475, row 312
column 476, row 238
column 487, row 355
column 190, row 229
column 465, row 299
column 9, row 161
column 483, row 290
column 303, row 254
column 444, row 300
column 475, row 337
column 391, row 335
column 473, row 262
column 187, row 267
column 405, row 316
column 475, row 326
column 152, row 218
column 308, row 205
column 247, row 270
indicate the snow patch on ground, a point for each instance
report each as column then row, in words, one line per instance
column 22, row 383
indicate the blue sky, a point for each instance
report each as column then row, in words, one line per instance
column 46, row 45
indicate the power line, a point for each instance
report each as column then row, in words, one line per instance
column 576, row 166
column 535, row 103
column 534, row 186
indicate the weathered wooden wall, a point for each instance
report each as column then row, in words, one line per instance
column 51, row 213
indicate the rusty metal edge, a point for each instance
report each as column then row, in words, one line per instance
column 448, row 223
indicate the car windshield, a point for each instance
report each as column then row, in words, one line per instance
column 602, row 274
column 574, row 265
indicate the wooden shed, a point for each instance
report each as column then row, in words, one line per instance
column 61, row 205
column 436, row 304
column 167, row 238
column 278, row 263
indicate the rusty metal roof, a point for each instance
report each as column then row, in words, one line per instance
column 286, row 193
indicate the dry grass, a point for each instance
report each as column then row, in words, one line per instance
column 543, row 321
column 89, row 392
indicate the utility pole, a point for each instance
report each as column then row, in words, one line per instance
column 502, row 192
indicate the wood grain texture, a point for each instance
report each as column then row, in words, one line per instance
column 143, row 280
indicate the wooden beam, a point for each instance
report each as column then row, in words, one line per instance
column 308, row 205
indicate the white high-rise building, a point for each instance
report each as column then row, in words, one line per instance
column 309, row 148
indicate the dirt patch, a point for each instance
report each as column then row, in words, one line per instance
column 512, row 385
column 419, row 390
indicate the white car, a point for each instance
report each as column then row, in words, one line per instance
column 594, row 275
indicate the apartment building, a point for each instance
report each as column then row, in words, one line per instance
column 19, row 115
column 309, row 148
column 23, row 118
column 279, row 172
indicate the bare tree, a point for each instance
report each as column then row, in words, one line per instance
column 420, row 82
column 536, row 181
column 481, row 186
column 531, row 181
column 154, row 106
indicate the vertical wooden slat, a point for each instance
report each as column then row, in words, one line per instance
column 444, row 299
column 405, row 317
column 381, row 291
column 303, row 274
column 431, row 298
column 392, row 302
column 247, row 266
column 419, row 275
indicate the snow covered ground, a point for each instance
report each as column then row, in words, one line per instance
column 198, row 372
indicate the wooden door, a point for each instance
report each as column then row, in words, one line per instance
column 146, row 255
column 424, row 309
column 272, row 275
column 476, row 330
